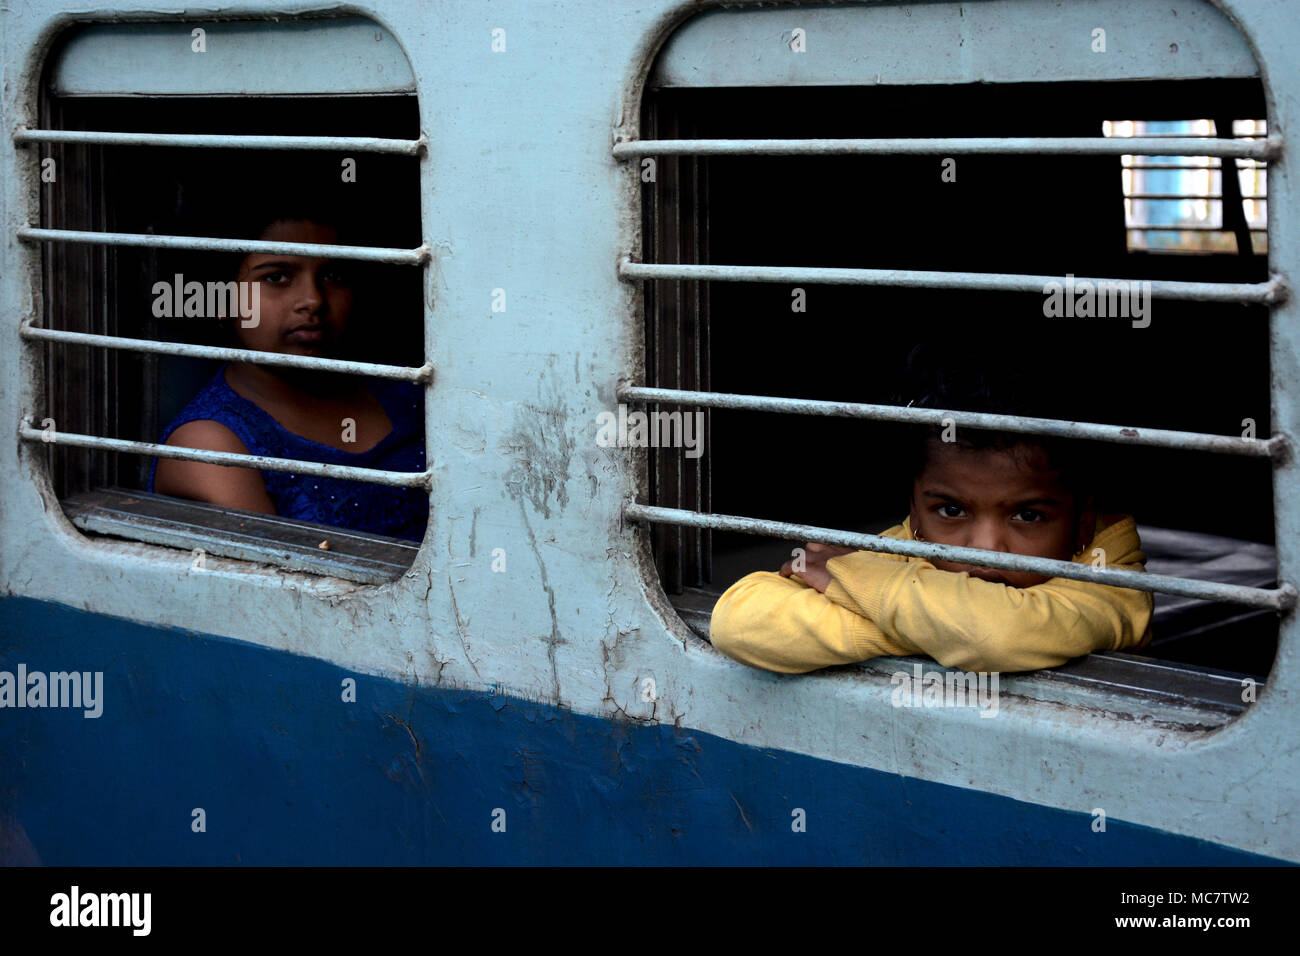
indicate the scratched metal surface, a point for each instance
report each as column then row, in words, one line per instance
column 520, row 192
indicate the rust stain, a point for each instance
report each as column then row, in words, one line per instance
column 742, row 812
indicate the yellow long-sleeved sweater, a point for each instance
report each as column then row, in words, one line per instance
column 880, row 605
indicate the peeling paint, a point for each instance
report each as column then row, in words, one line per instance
column 541, row 447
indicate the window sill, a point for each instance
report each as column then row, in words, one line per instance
column 1182, row 695
column 243, row 535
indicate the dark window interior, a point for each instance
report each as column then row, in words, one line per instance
column 1198, row 367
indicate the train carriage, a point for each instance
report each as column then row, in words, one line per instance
column 586, row 212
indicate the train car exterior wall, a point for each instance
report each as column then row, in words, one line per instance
column 559, row 709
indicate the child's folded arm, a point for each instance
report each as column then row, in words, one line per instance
column 780, row 624
column 978, row 625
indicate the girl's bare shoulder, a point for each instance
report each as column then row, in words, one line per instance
column 205, row 433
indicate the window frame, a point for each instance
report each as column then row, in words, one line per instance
column 156, row 519
column 1127, row 679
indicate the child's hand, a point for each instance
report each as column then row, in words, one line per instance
column 814, row 573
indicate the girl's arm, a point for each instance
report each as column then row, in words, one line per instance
column 224, row 485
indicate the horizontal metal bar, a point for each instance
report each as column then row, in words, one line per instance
column 358, row 144
column 405, row 257
column 1191, row 136
column 1258, row 198
column 1265, row 293
column 954, row 146
column 1191, row 229
column 399, row 373
column 1177, row 167
column 1213, row 167
column 1277, row 600
column 399, row 479
column 1164, row 196
column 1154, row 437
column 1216, row 197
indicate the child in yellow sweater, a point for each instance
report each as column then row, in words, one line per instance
column 1011, row 493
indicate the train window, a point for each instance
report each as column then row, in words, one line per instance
column 179, row 164
column 809, row 219
column 1184, row 203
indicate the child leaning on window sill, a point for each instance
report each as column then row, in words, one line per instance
column 1018, row 494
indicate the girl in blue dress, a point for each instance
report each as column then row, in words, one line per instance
column 305, row 305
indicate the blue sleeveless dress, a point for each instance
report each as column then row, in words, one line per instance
column 377, row 509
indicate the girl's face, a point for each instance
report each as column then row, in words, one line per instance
column 304, row 301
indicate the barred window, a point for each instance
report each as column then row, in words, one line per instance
column 808, row 221
column 158, row 147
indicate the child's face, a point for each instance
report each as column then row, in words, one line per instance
column 1007, row 500
column 304, row 301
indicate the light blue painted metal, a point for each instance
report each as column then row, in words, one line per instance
column 1155, row 437
column 322, row 57
column 359, row 144
column 401, row 479
column 1012, row 41
column 1267, row 293
column 285, row 360
column 1264, row 149
column 403, row 257
column 519, row 191
column 1274, row 600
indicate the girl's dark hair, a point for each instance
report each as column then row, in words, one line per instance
column 250, row 215
column 1002, row 377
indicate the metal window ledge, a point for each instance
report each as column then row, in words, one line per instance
column 243, row 535
column 1143, row 687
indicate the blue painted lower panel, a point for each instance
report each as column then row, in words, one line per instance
column 287, row 773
